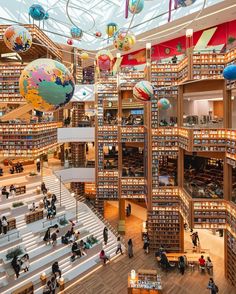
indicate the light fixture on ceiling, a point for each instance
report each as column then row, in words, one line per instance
column 12, row 56
column 148, row 45
column 189, row 33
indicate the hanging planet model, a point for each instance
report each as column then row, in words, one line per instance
column 76, row 33
column 163, row 104
column 17, row 38
column 229, row 72
column 124, row 40
column 47, row 84
column 143, row 91
column 185, row 3
column 37, row 12
column 104, row 60
column 136, row 6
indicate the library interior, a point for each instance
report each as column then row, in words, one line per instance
column 117, row 146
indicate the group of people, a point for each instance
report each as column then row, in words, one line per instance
column 50, row 206
column 51, row 238
column 52, row 284
column 19, row 264
column 3, row 225
column 17, row 168
column 206, row 264
column 12, row 191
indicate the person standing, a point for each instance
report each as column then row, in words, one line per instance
column 38, row 166
column 16, row 265
column 54, row 238
column 47, row 236
column 4, row 225
column 119, row 248
column 146, row 244
column 103, row 257
column 105, row 235
column 47, row 288
column 181, row 265
column 25, row 263
column 56, row 269
column 130, row 248
column 53, row 285
column 212, row 286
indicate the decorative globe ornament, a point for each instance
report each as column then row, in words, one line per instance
column 98, row 34
column 37, row 12
column 163, row 104
column 104, row 60
column 76, row 33
column 124, row 40
column 84, row 56
column 69, row 42
column 111, row 29
column 185, row 3
column 143, row 91
column 17, row 38
column 47, row 84
column 136, row 6
column 229, row 72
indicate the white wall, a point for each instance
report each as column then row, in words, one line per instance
column 86, row 175
column 75, row 135
column 197, row 107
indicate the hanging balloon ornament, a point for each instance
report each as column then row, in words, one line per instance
column 124, row 40
column 143, row 91
column 37, row 12
column 69, row 42
column 76, row 33
column 136, row 6
column 111, row 29
column 229, row 72
column 179, row 3
column 84, row 56
column 104, row 60
column 163, row 104
column 17, row 38
column 98, row 34
column 47, row 84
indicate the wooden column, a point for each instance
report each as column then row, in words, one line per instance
column 180, row 167
column 121, row 223
column 227, row 107
column 148, row 124
column 180, row 106
column 227, row 180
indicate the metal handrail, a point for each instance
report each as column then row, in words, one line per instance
column 9, row 234
column 55, row 218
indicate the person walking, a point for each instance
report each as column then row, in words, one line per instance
column 209, row 265
column 56, row 269
column 181, row 265
column 119, row 247
column 212, row 286
column 130, row 248
column 16, row 265
column 103, row 257
column 146, row 244
column 105, row 235
column 47, row 236
column 53, row 285
column 47, row 288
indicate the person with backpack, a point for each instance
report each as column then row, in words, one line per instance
column 212, row 286
column 181, row 265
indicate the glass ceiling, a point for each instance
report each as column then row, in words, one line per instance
column 92, row 16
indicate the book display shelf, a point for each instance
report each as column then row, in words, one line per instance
column 209, row 140
column 27, row 140
column 128, row 79
column 9, row 83
column 208, row 66
column 133, row 188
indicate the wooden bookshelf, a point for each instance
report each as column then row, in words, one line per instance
column 132, row 134
column 34, row 216
column 209, row 140
column 11, row 224
column 27, row 140
column 133, row 188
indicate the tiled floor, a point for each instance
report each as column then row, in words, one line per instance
column 112, row 278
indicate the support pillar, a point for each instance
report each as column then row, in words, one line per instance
column 227, row 181
column 227, row 107
column 180, row 168
column 121, row 223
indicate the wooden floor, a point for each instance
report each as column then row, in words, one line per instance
column 112, row 278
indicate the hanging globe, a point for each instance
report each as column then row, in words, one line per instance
column 136, row 6
column 185, row 3
column 143, row 91
column 76, row 33
column 124, row 40
column 98, row 34
column 69, row 42
column 37, row 12
column 84, row 56
column 104, row 60
column 163, row 104
column 111, row 29
column 47, row 84
column 17, row 38
column 229, row 72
